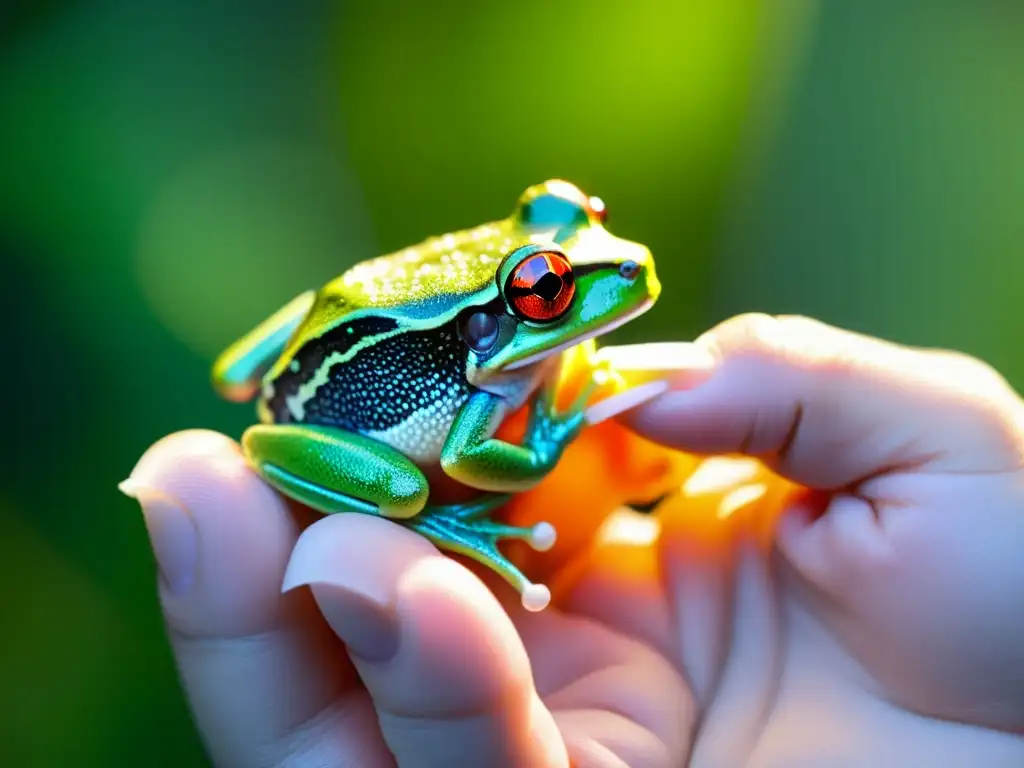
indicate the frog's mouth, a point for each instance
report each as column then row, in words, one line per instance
column 573, row 341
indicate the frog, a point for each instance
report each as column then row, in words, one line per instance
column 395, row 375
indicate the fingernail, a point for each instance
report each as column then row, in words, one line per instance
column 172, row 534
column 682, row 364
column 365, row 621
column 624, row 401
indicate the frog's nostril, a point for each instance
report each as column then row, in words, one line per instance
column 629, row 269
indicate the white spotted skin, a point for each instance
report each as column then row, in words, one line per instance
column 421, row 437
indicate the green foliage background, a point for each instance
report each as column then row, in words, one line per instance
column 170, row 172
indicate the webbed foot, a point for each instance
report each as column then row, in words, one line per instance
column 469, row 530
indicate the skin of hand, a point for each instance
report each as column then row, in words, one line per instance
column 883, row 627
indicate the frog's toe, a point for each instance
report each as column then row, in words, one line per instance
column 601, row 375
column 478, row 539
column 542, row 409
column 543, row 536
column 535, row 597
column 550, row 433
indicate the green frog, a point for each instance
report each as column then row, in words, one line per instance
column 399, row 372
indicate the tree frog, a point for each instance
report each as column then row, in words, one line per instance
column 398, row 372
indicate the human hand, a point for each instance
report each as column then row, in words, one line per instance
column 883, row 629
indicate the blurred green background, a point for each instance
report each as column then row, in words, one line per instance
column 171, row 172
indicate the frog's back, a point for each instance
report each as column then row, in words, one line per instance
column 423, row 283
column 379, row 353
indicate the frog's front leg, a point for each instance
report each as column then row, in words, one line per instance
column 333, row 470
column 473, row 456
column 238, row 370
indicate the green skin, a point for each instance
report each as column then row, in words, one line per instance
column 323, row 346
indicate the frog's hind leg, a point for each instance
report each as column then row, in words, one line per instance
column 332, row 470
column 468, row 529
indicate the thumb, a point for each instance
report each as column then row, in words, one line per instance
column 824, row 407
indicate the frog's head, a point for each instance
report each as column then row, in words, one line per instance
column 567, row 280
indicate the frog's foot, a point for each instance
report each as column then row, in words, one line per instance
column 468, row 530
column 335, row 471
column 602, row 374
column 550, row 429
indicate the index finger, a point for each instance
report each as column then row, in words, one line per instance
column 828, row 408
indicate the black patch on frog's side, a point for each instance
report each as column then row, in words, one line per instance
column 386, row 383
column 338, row 340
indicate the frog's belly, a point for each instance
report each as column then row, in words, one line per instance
column 421, row 436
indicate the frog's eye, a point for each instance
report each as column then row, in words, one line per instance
column 541, row 287
column 480, row 331
column 559, row 205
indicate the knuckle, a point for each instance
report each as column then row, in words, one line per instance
column 795, row 339
column 984, row 398
column 749, row 325
column 978, row 400
column 979, row 375
column 977, row 380
column 1002, row 425
column 749, row 333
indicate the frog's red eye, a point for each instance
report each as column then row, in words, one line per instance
column 541, row 288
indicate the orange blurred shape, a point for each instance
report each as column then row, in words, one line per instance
column 609, row 467
column 723, row 495
column 699, row 521
column 606, row 467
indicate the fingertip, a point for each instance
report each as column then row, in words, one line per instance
column 462, row 667
column 220, row 535
column 354, row 565
column 650, row 371
column 181, row 454
column 358, row 551
column 443, row 599
column 452, row 626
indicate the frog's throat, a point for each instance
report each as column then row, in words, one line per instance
column 608, row 328
column 515, row 387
